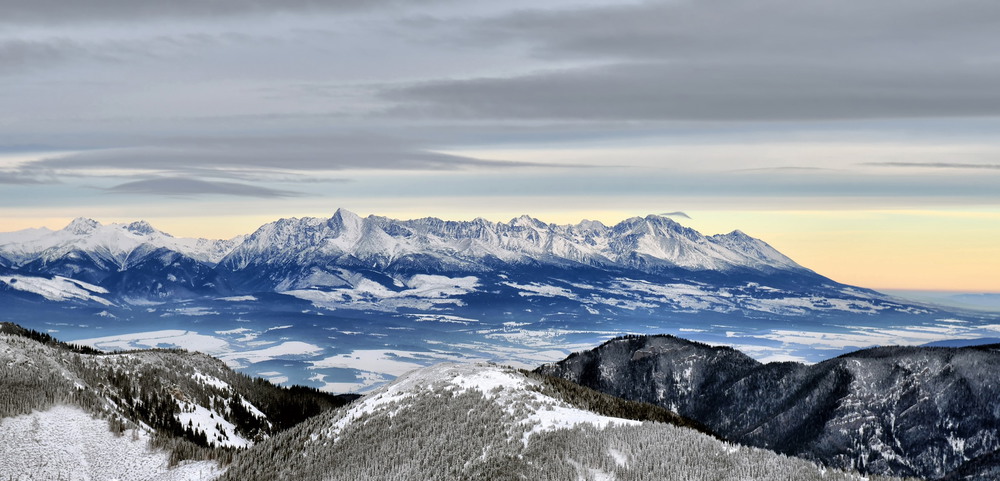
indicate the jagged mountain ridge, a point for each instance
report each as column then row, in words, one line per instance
column 297, row 253
column 478, row 421
column 647, row 244
column 895, row 410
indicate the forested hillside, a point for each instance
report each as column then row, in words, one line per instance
column 908, row 411
column 484, row 422
column 188, row 404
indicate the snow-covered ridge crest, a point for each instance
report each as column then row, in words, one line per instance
column 116, row 244
column 645, row 243
column 514, row 392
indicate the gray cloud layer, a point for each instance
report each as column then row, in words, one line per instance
column 937, row 165
column 732, row 60
column 719, row 92
column 58, row 11
column 182, row 187
column 243, row 97
column 280, row 154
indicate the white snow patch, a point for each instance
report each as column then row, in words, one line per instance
column 237, row 299
column 210, row 380
column 448, row 319
column 190, row 311
column 424, row 292
column 58, row 288
column 239, row 330
column 190, row 340
column 866, row 336
column 393, row 363
column 218, row 431
column 285, row 349
column 543, row 290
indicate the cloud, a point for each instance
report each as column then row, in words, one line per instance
column 936, row 165
column 852, row 31
column 730, row 60
column 22, row 176
column 249, row 157
column 57, row 11
column 700, row 92
column 181, row 187
column 18, row 54
column 675, row 214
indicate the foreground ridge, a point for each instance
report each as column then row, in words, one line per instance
column 480, row 421
column 908, row 411
column 68, row 409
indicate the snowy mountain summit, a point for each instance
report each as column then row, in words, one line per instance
column 117, row 245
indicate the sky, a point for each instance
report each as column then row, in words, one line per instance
column 860, row 138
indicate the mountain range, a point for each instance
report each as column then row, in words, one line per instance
column 326, row 302
column 307, row 252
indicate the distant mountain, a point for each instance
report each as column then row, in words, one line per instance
column 114, row 245
column 136, row 261
column 487, row 422
column 129, row 260
column 906, row 411
column 173, row 405
column 292, row 253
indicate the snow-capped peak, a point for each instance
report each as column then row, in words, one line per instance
column 114, row 243
column 82, row 226
column 143, row 228
column 527, row 221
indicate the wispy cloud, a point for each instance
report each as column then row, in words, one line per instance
column 252, row 156
column 26, row 177
column 676, row 214
column 181, row 187
column 56, row 11
column 936, row 165
column 729, row 60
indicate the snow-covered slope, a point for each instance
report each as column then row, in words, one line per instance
column 116, row 244
column 65, row 442
column 191, row 404
column 480, row 421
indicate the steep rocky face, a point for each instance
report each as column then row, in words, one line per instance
column 902, row 411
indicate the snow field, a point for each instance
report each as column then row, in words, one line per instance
column 66, row 443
